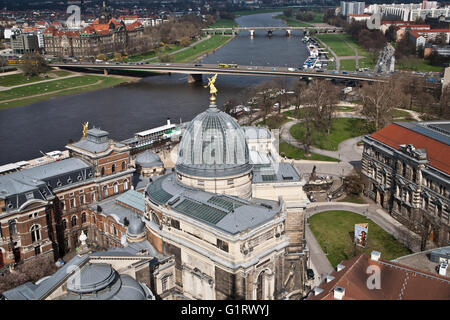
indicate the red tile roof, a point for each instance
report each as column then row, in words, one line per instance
column 394, row 135
column 397, row 282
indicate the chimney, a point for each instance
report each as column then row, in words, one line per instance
column 317, row 291
column 375, row 255
column 443, row 269
column 168, row 121
column 339, row 267
column 338, row 293
column 329, row 278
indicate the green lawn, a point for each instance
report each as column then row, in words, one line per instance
column 342, row 129
column 224, row 23
column 345, row 108
column 348, row 64
column 255, row 11
column 19, row 78
column 295, row 153
column 331, row 65
column 334, row 231
column 334, row 41
column 152, row 54
column 67, row 86
column 208, row 45
column 292, row 21
column 416, row 64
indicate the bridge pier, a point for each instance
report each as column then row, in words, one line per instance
column 288, row 33
column 252, row 33
column 269, row 33
column 105, row 72
column 195, row 77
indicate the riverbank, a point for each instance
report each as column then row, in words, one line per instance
column 198, row 52
column 44, row 90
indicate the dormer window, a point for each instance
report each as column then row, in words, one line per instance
column 29, row 195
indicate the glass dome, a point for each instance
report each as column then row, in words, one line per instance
column 213, row 145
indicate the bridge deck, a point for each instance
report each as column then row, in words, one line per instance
column 211, row 69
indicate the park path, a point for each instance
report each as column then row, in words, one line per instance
column 39, row 82
column 414, row 114
column 318, row 259
column 336, row 58
column 51, row 92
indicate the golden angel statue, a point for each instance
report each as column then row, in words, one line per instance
column 212, row 87
column 85, row 128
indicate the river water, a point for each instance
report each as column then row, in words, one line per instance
column 129, row 108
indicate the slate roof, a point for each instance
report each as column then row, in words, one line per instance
column 212, row 209
column 281, row 172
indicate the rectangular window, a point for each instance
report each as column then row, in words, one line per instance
column 229, row 181
column 72, row 203
column 201, row 182
column 222, row 245
column 164, row 283
column 82, row 200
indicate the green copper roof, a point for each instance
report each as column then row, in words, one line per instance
column 157, row 194
column 224, row 202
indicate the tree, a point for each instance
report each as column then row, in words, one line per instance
column 31, row 270
column 322, row 95
column 391, row 33
column 3, row 63
column 118, row 56
column 34, row 64
column 306, row 113
column 288, row 12
column 379, row 100
column 444, row 103
column 265, row 94
column 101, row 56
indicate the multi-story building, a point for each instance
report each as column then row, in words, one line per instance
column 24, row 43
column 407, row 171
column 43, row 209
column 352, row 7
column 105, row 35
column 230, row 213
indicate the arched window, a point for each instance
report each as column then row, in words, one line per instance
column 113, row 168
column 123, row 165
column 114, row 230
column 116, row 187
column 35, row 233
column 74, row 221
column 125, row 185
column 105, row 191
column 103, row 171
column 64, row 224
column 83, row 217
column 12, row 227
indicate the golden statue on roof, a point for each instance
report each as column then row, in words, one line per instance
column 85, row 128
column 212, row 87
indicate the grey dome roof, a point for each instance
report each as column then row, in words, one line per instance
column 93, row 277
column 213, row 145
column 136, row 226
column 148, row 159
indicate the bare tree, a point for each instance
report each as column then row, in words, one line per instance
column 322, row 95
column 379, row 100
column 34, row 64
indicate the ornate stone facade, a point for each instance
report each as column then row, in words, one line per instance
column 406, row 170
